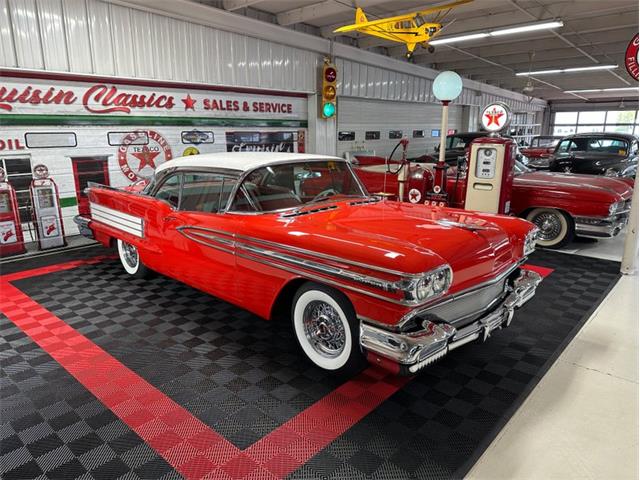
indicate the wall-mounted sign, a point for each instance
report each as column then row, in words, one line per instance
column 435, row 132
column 140, row 161
column 196, row 137
column 190, row 151
column 11, row 144
column 631, row 59
column 84, row 98
column 495, row 117
column 452, row 131
column 261, row 141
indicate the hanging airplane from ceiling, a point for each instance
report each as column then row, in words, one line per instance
column 411, row 29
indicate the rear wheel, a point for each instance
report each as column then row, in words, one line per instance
column 557, row 228
column 327, row 329
column 130, row 260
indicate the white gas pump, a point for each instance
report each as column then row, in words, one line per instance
column 46, row 209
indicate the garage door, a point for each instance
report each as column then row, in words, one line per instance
column 378, row 125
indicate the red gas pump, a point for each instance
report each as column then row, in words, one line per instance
column 11, row 237
column 490, row 175
column 47, row 216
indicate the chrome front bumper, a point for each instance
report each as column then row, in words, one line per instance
column 415, row 350
column 599, row 227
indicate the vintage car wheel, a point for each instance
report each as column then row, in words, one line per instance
column 326, row 327
column 556, row 227
column 131, row 260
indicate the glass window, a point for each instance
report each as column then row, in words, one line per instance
column 205, row 192
column 619, row 128
column 585, row 118
column 19, row 176
column 566, row 118
column 564, row 130
column 169, row 191
column 372, row 135
column 608, row 145
column 457, row 142
column 621, row 116
column 418, row 134
column 395, row 134
column 566, row 146
column 278, row 187
column 346, row 136
column 590, row 128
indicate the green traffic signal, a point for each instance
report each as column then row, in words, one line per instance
column 329, row 109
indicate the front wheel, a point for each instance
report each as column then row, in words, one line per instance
column 130, row 260
column 327, row 329
column 557, row 228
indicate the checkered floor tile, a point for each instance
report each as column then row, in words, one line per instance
column 244, row 377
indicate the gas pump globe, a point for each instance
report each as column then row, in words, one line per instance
column 47, row 216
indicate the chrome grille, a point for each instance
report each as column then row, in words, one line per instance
column 468, row 305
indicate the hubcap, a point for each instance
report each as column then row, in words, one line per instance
column 567, row 169
column 130, row 254
column 324, row 329
column 549, row 225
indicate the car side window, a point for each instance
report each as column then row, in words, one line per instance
column 205, row 192
column 634, row 148
column 169, row 191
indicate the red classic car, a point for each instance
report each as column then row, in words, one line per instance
column 396, row 284
column 539, row 151
column 561, row 205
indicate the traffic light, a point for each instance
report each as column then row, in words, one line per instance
column 329, row 92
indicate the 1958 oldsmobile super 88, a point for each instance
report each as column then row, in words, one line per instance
column 396, row 284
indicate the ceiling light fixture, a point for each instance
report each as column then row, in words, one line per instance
column 498, row 32
column 567, row 70
column 598, row 90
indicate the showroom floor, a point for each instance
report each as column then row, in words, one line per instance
column 112, row 377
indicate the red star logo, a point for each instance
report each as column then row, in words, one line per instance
column 146, row 158
column 414, row 196
column 189, row 102
column 494, row 117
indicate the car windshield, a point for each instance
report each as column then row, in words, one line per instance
column 455, row 141
column 611, row 146
column 296, row 184
column 520, row 168
column 544, row 142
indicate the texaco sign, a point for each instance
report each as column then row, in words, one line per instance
column 495, row 117
column 139, row 161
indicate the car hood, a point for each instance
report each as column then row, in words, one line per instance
column 405, row 237
column 605, row 189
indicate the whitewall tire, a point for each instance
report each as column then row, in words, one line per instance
column 327, row 329
column 130, row 260
column 556, row 227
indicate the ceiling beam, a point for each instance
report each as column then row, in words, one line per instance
column 320, row 10
column 232, row 5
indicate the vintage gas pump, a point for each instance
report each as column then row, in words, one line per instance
column 11, row 237
column 47, row 216
column 491, row 163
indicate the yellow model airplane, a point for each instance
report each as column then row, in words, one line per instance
column 411, row 29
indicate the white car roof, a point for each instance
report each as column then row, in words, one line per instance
column 241, row 161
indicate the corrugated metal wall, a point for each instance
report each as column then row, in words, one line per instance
column 96, row 37
column 90, row 36
column 360, row 116
column 367, row 81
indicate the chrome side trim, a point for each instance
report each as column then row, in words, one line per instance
column 311, row 253
column 418, row 349
column 117, row 219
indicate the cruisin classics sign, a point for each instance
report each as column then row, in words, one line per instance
column 37, row 96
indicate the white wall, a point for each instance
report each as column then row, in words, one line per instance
column 360, row 115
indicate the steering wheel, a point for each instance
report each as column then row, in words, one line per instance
column 324, row 193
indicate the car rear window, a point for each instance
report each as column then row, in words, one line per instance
column 612, row 146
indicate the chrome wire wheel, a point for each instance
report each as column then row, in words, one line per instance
column 556, row 228
column 549, row 225
column 324, row 329
column 130, row 254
